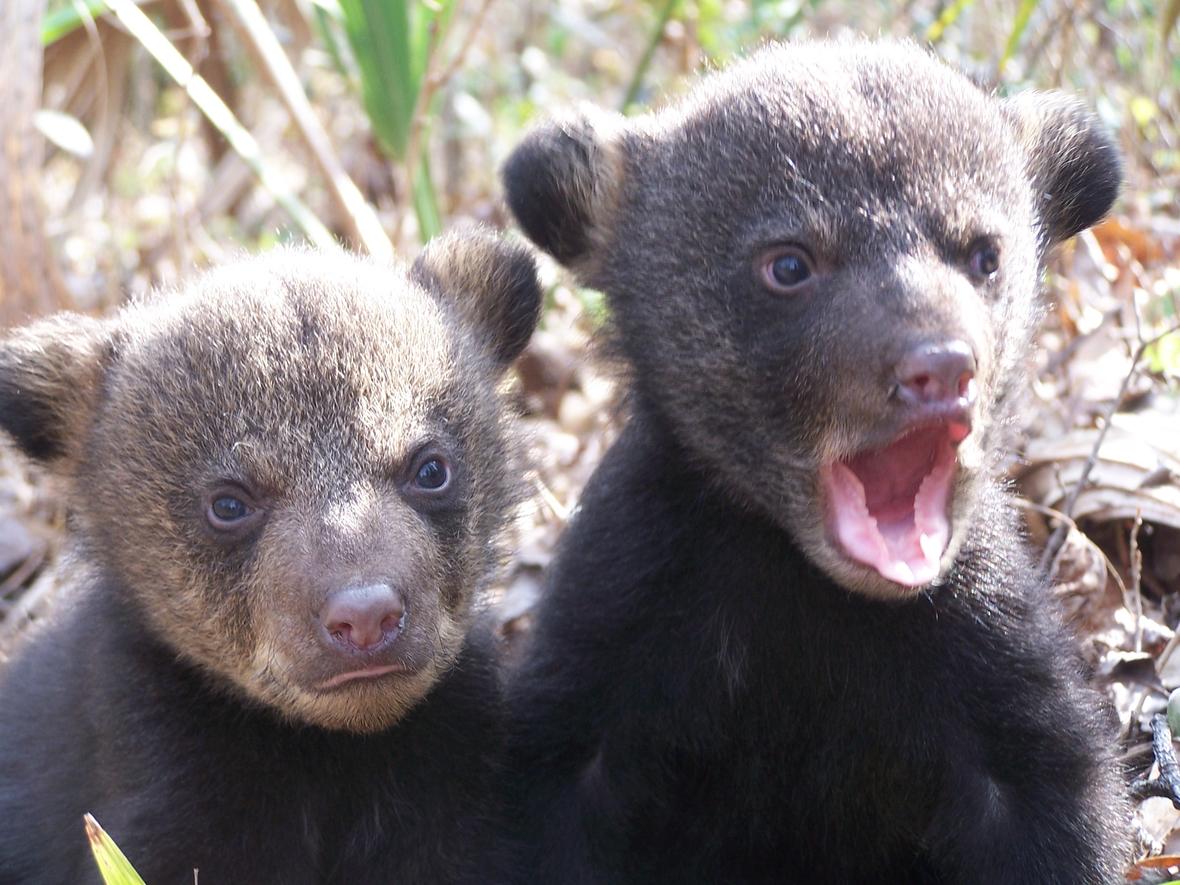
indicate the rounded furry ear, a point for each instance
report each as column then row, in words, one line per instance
column 50, row 375
column 492, row 281
column 1073, row 162
column 562, row 182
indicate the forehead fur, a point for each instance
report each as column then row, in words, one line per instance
column 336, row 360
column 848, row 139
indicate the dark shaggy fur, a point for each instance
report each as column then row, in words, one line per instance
column 202, row 693
column 717, row 689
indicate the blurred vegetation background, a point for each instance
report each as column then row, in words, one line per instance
column 143, row 138
column 364, row 117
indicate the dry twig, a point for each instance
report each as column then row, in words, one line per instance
column 219, row 114
column 362, row 221
column 1057, row 539
column 432, row 80
column 1168, row 782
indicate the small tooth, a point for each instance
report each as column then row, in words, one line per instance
column 900, row 572
column 930, row 547
column 925, row 573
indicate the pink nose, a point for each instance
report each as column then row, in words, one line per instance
column 937, row 373
column 362, row 618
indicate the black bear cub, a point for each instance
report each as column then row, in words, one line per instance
column 289, row 483
column 793, row 634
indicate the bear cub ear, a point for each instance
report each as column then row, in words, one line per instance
column 562, row 182
column 50, row 375
column 1073, row 162
column 493, row 282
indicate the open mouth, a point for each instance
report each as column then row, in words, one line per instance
column 888, row 508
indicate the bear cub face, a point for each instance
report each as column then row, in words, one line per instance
column 297, row 468
column 822, row 266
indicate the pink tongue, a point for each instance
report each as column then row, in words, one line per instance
column 904, row 545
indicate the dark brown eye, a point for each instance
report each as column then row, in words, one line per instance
column 229, row 511
column 433, row 480
column 985, row 261
column 786, row 269
column 432, row 475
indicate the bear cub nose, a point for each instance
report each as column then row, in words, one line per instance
column 362, row 618
column 933, row 374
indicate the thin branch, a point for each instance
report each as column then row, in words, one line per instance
column 110, row 59
column 1169, row 649
column 222, row 118
column 364, row 225
column 1136, row 583
column 1168, row 782
column 1111, row 571
column 649, row 52
column 551, row 500
column 440, row 79
column 1053, row 547
column 198, row 28
column 432, row 81
column 25, row 570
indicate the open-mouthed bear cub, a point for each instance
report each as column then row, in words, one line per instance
column 793, row 633
column 289, row 482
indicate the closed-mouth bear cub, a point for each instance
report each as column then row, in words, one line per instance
column 793, row 634
column 288, row 482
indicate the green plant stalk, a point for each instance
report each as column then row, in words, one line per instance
column 1023, row 14
column 326, row 23
column 379, row 33
column 113, row 865
column 222, row 118
column 649, row 52
column 425, row 202
column 949, row 16
column 393, row 43
column 64, row 21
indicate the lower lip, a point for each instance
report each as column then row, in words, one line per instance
column 370, row 673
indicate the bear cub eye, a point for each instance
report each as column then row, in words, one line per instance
column 227, row 511
column 432, row 475
column 985, row 261
column 785, row 269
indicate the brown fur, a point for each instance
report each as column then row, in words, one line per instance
column 290, row 375
column 310, row 386
column 714, row 689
